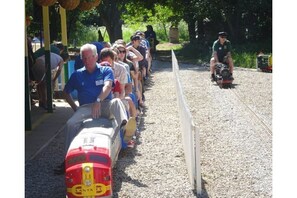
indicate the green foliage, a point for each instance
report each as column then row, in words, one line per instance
column 162, row 17
column 245, row 55
column 132, row 16
column 248, row 22
column 129, row 30
column 83, row 35
column 245, row 59
column 254, row 47
column 183, row 31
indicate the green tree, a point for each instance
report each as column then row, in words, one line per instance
column 244, row 20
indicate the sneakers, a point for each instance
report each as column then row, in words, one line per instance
column 213, row 78
column 142, row 105
column 137, row 134
column 131, row 144
column 129, row 129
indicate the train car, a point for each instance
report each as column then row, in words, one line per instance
column 223, row 76
column 264, row 63
column 90, row 159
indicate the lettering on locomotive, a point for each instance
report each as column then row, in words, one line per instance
column 94, row 190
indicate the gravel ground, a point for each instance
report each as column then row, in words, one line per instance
column 157, row 165
column 236, row 156
column 235, row 131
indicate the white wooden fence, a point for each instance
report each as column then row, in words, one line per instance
column 190, row 133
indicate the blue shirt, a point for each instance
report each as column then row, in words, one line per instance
column 89, row 85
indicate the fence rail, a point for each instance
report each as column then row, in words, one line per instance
column 190, row 133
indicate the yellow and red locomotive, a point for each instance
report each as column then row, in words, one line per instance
column 90, row 159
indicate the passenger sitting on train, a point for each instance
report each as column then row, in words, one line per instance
column 131, row 57
column 93, row 83
column 119, row 71
column 107, row 55
column 128, row 98
column 129, row 94
column 143, row 64
column 145, row 43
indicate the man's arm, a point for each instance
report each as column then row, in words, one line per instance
column 138, row 56
column 96, row 112
column 215, row 55
column 61, row 64
column 70, row 100
column 214, row 49
column 122, row 95
column 105, row 90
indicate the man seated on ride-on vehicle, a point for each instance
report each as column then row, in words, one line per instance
column 221, row 53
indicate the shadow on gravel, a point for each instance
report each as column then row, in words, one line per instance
column 204, row 193
column 126, row 156
column 233, row 86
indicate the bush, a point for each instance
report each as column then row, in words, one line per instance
column 244, row 55
column 183, row 31
column 245, row 59
column 86, row 35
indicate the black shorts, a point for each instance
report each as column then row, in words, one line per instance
column 132, row 67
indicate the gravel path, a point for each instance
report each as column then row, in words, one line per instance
column 235, row 131
column 236, row 152
column 157, row 167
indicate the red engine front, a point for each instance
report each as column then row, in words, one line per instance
column 88, row 173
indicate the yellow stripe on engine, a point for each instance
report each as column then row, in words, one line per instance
column 88, row 188
column 87, row 174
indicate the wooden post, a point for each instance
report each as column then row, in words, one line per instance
column 65, row 71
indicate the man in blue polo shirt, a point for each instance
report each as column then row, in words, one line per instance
column 93, row 83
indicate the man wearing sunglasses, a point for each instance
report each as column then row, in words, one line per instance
column 221, row 53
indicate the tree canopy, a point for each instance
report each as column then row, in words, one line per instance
column 244, row 20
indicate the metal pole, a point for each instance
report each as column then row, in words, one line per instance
column 28, row 124
column 45, row 16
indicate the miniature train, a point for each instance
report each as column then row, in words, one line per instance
column 90, row 159
column 264, row 63
column 223, row 76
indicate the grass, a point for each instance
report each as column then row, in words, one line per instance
column 169, row 46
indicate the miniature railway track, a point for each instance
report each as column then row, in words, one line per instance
column 254, row 116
